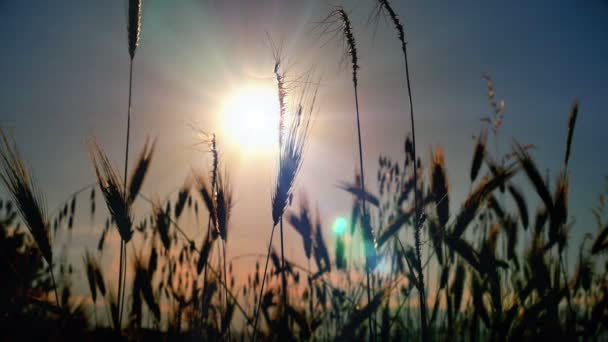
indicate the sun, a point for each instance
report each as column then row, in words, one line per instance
column 250, row 118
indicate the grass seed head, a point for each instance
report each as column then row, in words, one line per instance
column 26, row 196
column 571, row 124
column 134, row 25
column 113, row 192
column 292, row 151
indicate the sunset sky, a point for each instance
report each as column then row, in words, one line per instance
column 64, row 68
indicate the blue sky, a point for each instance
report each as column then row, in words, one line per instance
column 64, row 67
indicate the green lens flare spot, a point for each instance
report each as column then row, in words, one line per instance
column 340, row 226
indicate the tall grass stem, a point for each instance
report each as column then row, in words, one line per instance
column 257, row 312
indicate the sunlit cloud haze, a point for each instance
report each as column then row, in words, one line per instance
column 64, row 67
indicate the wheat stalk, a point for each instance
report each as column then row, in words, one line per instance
column 218, row 200
column 280, row 73
column 385, row 5
column 134, row 25
column 290, row 162
column 120, row 195
column 134, row 30
column 338, row 22
column 28, row 199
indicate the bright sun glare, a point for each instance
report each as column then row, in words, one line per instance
column 251, row 119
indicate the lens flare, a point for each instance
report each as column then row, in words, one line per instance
column 340, row 226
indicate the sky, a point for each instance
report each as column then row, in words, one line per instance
column 64, row 67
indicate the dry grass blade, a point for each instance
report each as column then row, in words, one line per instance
column 303, row 225
column 102, row 240
column 182, row 198
column 92, row 200
column 359, row 316
column 223, row 205
column 354, row 217
column 292, row 152
column 457, row 287
column 475, row 198
column 113, row 192
column 139, row 173
column 571, row 124
column 465, row 250
column 204, row 255
column 101, row 285
column 478, row 156
column 394, row 227
column 521, row 205
column 496, row 207
column 208, row 295
column 163, row 223
column 439, row 186
column 436, row 234
column 153, row 261
column 143, row 281
column 358, row 192
column 320, row 250
column 533, row 175
column 559, row 212
column 601, row 241
column 88, row 262
column 227, row 317
column 208, row 195
column 276, row 262
column 28, row 199
column 134, row 25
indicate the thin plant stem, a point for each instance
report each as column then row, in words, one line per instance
column 120, row 271
column 281, row 97
column 257, row 312
column 219, row 267
column 283, row 276
column 123, row 252
column 369, row 293
column 225, row 282
column 54, row 286
column 124, row 279
column 205, row 266
column 421, row 290
column 213, row 189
